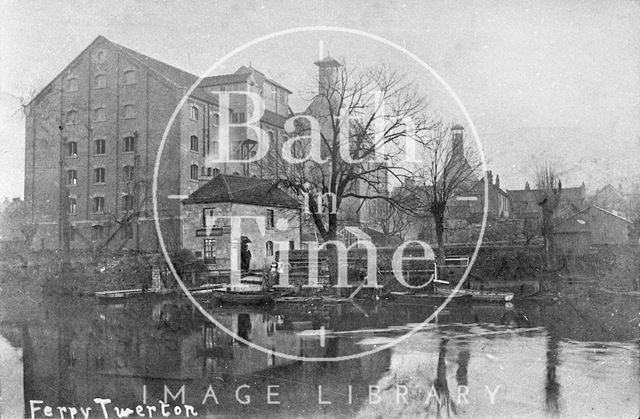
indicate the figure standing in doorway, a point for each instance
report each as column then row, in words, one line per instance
column 245, row 254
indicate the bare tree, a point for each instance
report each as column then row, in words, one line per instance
column 448, row 169
column 346, row 158
column 362, row 115
column 548, row 197
column 390, row 217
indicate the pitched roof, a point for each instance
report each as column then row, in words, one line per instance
column 233, row 78
column 529, row 195
column 241, row 75
column 583, row 225
column 241, row 190
column 168, row 72
column 178, row 76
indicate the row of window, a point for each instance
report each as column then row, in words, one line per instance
column 194, row 114
column 100, row 81
column 97, row 204
column 100, row 114
column 100, row 146
column 99, row 175
column 128, row 174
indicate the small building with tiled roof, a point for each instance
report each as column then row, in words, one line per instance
column 271, row 221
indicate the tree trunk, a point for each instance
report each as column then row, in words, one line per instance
column 547, row 234
column 439, row 222
column 441, row 256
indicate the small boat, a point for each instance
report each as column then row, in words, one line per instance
column 119, row 293
column 139, row 292
column 425, row 297
column 479, row 295
column 244, row 297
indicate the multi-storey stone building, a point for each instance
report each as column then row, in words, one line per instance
column 93, row 136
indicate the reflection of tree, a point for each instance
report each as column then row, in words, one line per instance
column 463, row 365
column 444, row 404
column 552, row 387
column 244, row 326
column 29, row 373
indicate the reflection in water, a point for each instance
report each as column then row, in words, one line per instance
column 463, row 365
column 552, row 387
column 244, row 327
column 445, row 407
column 116, row 351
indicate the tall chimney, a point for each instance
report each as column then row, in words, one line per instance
column 327, row 73
column 457, row 142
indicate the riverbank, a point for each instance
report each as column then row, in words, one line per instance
column 506, row 268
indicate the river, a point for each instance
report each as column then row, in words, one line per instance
column 566, row 358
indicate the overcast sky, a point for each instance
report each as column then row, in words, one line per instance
column 544, row 80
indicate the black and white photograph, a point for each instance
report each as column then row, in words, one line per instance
column 319, row 209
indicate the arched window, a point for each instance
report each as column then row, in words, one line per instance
column 129, row 144
column 129, row 77
column 72, row 149
column 100, row 146
column 72, row 84
column 72, row 177
column 73, row 205
column 129, row 111
column 99, row 115
column 72, row 117
column 98, row 203
column 269, row 248
column 99, row 175
column 127, row 202
column 101, row 57
column 194, row 172
column 195, row 112
column 100, row 81
column 128, row 173
column 194, row 143
column 96, row 232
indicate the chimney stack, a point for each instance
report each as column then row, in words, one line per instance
column 457, row 142
column 327, row 73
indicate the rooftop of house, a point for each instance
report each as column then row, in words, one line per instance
column 175, row 75
column 241, row 190
column 526, row 200
column 576, row 222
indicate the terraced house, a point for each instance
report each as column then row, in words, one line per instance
column 93, row 134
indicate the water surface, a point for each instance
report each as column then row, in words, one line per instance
column 574, row 358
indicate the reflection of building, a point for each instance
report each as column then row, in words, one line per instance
column 207, row 232
column 97, row 127
column 593, row 226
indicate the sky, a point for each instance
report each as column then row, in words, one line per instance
column 545, row 81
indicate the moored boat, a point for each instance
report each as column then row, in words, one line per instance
column 244, row 297
column 426, row 297
column 479, row 295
